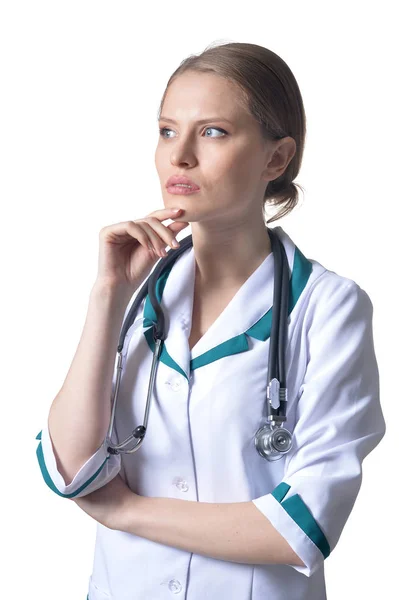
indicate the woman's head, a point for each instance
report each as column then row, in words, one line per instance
column 255, row 161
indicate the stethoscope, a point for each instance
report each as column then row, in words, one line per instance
column 272, row 440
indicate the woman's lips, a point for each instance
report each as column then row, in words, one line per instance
column 181, row 190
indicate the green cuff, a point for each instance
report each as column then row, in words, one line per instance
column 49, row 481
column 297, row 510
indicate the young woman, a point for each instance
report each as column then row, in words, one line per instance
column 196, row 510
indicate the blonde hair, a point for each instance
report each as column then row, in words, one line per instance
column 271, row 93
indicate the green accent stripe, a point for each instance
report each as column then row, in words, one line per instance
column 49, row 481
column 234, row 345
column 299, row 512
column 302, row 268
column 149, row 312
column 280, row 491
column 301, row 271
column 262, row 328
column 164, row 356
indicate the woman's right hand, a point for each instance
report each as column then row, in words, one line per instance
column 126, row 253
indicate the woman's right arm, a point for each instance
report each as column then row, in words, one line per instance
column 71, row 454
column 80, row 414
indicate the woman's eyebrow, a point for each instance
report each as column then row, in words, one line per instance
column 198, row 122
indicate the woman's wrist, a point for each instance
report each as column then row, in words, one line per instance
column 114, row 294
column 112, row 288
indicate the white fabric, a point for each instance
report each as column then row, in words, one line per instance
column 200, row 440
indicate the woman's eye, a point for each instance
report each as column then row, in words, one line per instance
column 216, row 129
column 163, row 130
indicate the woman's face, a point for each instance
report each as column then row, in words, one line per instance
column 226, row 159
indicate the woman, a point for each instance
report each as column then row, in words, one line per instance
column 252, row 528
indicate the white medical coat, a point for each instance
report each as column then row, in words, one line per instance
column 206, row 408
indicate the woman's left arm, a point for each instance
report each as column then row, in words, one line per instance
column 109, row 504
column 236, row 532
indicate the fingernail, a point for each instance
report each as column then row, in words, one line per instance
column 176, row 210
column 175, row 244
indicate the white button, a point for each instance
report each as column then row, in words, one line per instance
column 181, row 484
column 175, row 586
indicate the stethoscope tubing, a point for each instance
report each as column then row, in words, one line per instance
column 278, row 336
column 278, row 333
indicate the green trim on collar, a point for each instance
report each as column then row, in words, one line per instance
column 302, row 268
column 49, row 481
column 149, row 312
column 299, row 512
column 234, row 345
column 280, row 491
column 301, row 271
column 164, row 356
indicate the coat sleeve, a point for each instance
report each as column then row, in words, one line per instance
column 96, row 472
column 102, row 466
column 338, row 422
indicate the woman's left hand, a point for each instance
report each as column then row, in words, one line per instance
column 109, row 505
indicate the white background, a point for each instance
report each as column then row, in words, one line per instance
column 81, row 84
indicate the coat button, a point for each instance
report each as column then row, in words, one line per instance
column 175, row 586
column 181, row 484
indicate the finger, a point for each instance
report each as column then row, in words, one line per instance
column 160, row 235
column 156, row 244
column 176, row 227
column 126, row 230
column 165, row 213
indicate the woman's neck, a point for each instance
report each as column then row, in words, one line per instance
column 228, row 257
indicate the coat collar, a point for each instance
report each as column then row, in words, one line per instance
column 247, row 314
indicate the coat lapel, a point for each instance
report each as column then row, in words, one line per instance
column 248, row 313
column 176, row 293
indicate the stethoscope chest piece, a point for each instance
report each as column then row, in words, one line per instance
column 273, row 442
